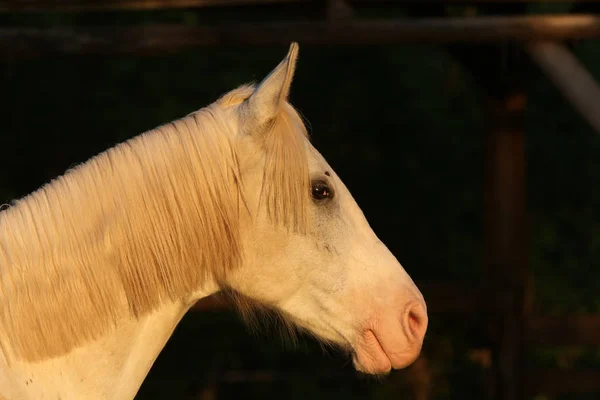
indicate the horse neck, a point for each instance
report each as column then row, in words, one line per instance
column 113, row 367
column 90, row 217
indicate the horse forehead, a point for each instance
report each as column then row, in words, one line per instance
column 316, row 160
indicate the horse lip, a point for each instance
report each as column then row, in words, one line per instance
column 368, row 348
column 374, row 347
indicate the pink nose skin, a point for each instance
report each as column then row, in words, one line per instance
column 415, row 322
column 382, row 347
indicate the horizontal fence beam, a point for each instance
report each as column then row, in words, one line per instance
column 555, row 382
column 582, row 330
column 153, row 39
column 33, row 6
column 29, row 6
column 549, row 382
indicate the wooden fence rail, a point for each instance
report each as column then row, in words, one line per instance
column 30, row 6
column 548, row 382
column 540, row 330
column 155, row 39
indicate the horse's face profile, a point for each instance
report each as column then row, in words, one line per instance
column 231, row 198
column 309, row 252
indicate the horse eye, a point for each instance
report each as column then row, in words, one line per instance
column 320, row 190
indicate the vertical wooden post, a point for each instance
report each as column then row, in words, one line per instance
column 505, row 271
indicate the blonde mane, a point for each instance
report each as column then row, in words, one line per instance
column 142, row 224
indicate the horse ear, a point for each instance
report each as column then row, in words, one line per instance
column 263, row 105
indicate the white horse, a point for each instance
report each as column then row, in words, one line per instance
column 98, row 266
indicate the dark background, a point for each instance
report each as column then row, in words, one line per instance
column 404, row 128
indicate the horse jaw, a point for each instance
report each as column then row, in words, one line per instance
column 335, row 278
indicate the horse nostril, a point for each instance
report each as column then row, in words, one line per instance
column 417, row 321
column 414, row 321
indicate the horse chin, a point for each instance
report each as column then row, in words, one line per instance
column 371, row 358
